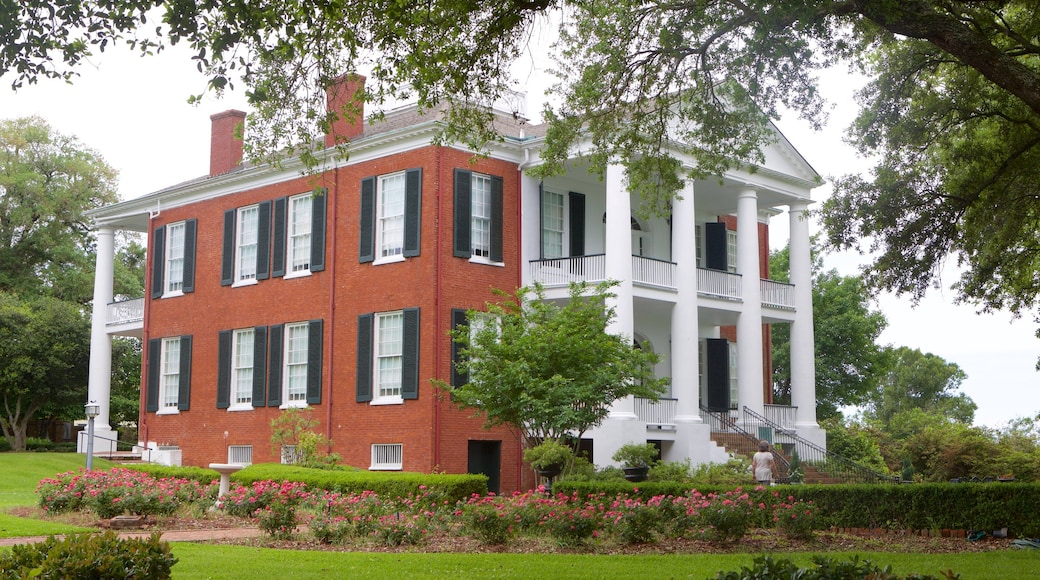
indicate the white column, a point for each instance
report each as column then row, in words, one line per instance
column 99, row 377
column 530, row 225
column 618, row 250
column 749, row 322
column 803, row 356
column 684, row 321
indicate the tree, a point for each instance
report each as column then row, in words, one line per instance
column 849, row 361
column 952, row 110
column 550, row 371
column 920, row 381
column 44, row 354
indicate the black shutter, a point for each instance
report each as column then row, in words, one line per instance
column 577, row 223
column 259, row 365
column 368, row 220
column 716, row 242
column 716, row 375
column 190, row 233
column 154, row 361
column 314, row 360
column 496, row 219
column 184, row 390
column 158, row 251
column 227, row 265
column 458, row 321
column 263, row 240
column 224, row 369
column 410, row 355
column 279, row 237
column 463, row 246
column 364, row 358
column 412, row 212
column 318, row 209
column 274, row 365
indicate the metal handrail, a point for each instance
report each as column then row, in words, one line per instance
column 724, row 423
column 114, row 448
column 832, row 463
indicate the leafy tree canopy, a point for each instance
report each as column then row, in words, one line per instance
column 549, row 370
column 923, row 382
column 849, row 362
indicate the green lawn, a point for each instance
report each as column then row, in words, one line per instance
column 22, row 471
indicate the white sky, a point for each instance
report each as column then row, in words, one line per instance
column 134, row 112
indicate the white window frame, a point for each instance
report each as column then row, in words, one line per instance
column 246, row 239
column 731, row 251
column 388, row 358
column 169, row 376
column 734, row 388
column 298, row 235
column 240, row 454
column 390, row 226
column 387, row 457
column 242, row 369
column 699, row 235
column 480, row 217
column 294, row 368
column 173, row 274
column 553, row 248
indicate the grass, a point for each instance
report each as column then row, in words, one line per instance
column 22, row 471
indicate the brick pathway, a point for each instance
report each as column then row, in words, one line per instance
column 169, row 535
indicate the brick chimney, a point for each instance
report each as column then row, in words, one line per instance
column 225, row 143
column 344, row 98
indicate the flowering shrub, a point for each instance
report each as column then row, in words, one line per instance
column 116, row 491
column 401, row 530
column 796, row 519
column 728, row 516
column 486, row 521
column 277, row 520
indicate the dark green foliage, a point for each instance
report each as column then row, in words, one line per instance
column 765, row 568
column 90, row 557
column 448, row 487
column 487, row 524
column 200, row 474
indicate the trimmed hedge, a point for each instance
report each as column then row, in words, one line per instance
column 351, row 480
column 202, row 475
column 90, row 556
column 922, row 506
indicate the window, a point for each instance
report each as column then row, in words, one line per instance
column 173, row 268
column 387, row 456
column 241, row 362
column 731, row 251
column 699, row 237
column 552, row 225
column 300, row 233
column 733, row 388
column 247, row 229
column 296, row 347
column 390, row 212
column 174, row 258
column 247, row 245
column 481, row 218
column 289, row 455
column 240, row 454
column 168, row 384
column 171, row 373
column 388, row 357
column 478, row 217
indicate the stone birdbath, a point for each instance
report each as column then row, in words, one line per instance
column 225, row 470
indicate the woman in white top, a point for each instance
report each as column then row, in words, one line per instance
column 762, row 464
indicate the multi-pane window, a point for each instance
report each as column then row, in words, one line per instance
column 480, row 218
column 296, row 341
column 699, row 235
column 733, row 387
column 174, row 274
column 388, row 354
column 390, row 222
column 300, row 233
column 242, row 367
column 247, row 238
column 731, row 251
column 170, row 378
column 552, row 225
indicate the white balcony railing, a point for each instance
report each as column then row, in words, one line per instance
column 718, row 284
column 777, row 294
column 651, row 272
column 656, row 414
column 782, row 415
column 125, row 312
column 563, row 271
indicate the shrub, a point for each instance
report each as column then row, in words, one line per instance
column 825, row 569
column 572, row 526
column 90, row 556
column 487, row 523
column 38, row 444
column 401, row 530
column 728, row 516
column 670, row 471
column 331, row 529
column 638, row 524
column 277, row 520
column 796, row 519
column 636, row 454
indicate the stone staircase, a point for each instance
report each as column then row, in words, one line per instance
column 741, row 445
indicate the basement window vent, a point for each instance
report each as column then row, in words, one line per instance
column 241, row 454
column 387, row 456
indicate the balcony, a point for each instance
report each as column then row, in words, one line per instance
column 126, row 317
column 777, row 294
column 657, row 415
column 718, row 284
